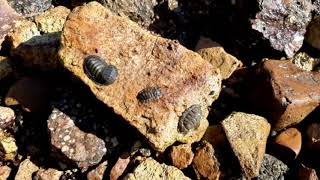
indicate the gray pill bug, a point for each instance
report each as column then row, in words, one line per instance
column 190, row 119
column 99, row 71
column 149, row 94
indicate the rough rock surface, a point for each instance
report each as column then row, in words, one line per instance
column 8, row 18
column 50, row 173
column 83, row 149
column 5, row 67
column 305, row 62
column 37, row 46
column 272, row 168
column 216, row 55
column 98, row 172
column 7, row 118
column 52, row 20
column 181, row 156
column 142, row 60
column 32, row 93
column 284, row 23
column 4, row 172
column 30, row 8
column 151, row 169
column 286, row 92
column 290, row 141
column 313, row 33
column 120, row 166
column 26, row 169
column 140, row 11
column 8, row 146
column 247, row 135
column 205, row 163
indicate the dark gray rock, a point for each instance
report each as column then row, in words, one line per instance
column 30, row 8
column 272, row 169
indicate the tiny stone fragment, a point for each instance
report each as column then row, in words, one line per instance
column 181, row 156
column 8, row 146
column 151, row 169
column 35, row 44
column 284, row 23
column 83, row 149
column 205, row 163
column 98, row 172
column 7, row 118
column 26, row 169
column 4, row 172
column 49, row 174
column 30, row 8
column 289, row 142
column 304, row 61
column 247, row 135
column 120, row 166
column 217, row 56
column 272, row 168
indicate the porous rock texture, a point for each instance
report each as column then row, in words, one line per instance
column 151, row 169
column 142, row 60
column 83, row 149
column 284, row 23
column 36, row 45
column 247, row 135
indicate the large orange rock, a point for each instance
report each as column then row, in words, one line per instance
column 142, row 60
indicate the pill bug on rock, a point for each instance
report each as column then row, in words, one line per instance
column 99, row 71
column 149, row 94
column 190, row 119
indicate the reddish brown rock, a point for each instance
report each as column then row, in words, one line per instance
column 247, row 135
column 25, row 171
column 181, row 156
column 284, row 23
column 120, row 166
column 306, row 173
column 4, row 172
column 215, row 136
column 8, row 19
column 98, row 173
column 32, row 93
column 289, row 141
column 205, row 163
column 142, row 60
column 216, row 55
column 287, row 93
column 50, row 173
column 83, row 149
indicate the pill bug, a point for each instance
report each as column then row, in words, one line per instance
column 190, row 119
column 149, row 94
column 99, row 71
